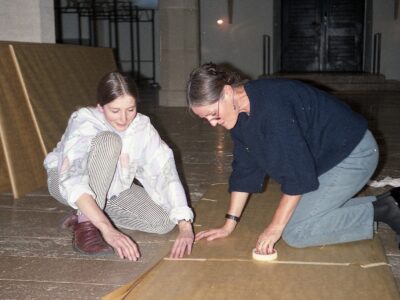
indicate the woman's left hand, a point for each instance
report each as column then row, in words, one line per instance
column 184, row 241
column 268, row 238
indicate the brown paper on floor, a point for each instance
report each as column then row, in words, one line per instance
column 20, row 142
column 223, row 269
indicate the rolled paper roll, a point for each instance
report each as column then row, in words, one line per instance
column 265, row 257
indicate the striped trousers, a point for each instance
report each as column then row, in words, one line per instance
column 133, row 208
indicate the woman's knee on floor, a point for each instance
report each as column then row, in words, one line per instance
column 295, row 238
column 160, row 224
column 165, row 227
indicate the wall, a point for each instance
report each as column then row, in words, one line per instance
column 27, row 21
column 384, row 22
column 240, row 43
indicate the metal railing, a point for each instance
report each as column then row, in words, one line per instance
column 376, row 59
column 112, row 13
column 266, row 55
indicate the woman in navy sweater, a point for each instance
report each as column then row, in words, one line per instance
column 312, row 144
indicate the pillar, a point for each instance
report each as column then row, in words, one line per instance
column 179, row 48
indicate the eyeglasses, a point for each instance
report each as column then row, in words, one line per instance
column 214, row 116
column 219, row 100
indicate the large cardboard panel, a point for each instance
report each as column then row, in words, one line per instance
column 20, row 142
column 59, row 79
column 224, row 269
column 5, row 184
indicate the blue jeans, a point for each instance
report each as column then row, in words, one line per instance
column 330, row 215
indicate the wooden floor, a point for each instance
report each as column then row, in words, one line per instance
column 36, row 259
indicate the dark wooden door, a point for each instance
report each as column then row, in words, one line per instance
column 322, row 35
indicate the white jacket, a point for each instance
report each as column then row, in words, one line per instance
column 144, row 156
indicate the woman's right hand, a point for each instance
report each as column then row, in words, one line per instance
column 123, row 244
column 237, row 203
column 217, row 233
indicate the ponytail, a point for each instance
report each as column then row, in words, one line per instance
column 206, row 83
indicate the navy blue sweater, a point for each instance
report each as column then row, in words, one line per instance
column 294, row 133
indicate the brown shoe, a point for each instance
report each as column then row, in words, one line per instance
column 69, row 221
column 88, row 240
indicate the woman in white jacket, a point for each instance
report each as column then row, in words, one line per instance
column 93, row 168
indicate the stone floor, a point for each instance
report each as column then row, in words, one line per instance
column 36, row 259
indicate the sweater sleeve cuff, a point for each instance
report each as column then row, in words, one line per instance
column 181, row 213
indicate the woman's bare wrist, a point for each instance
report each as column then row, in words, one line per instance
column 103, row 226
column 230, row 225
column 184, row 225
